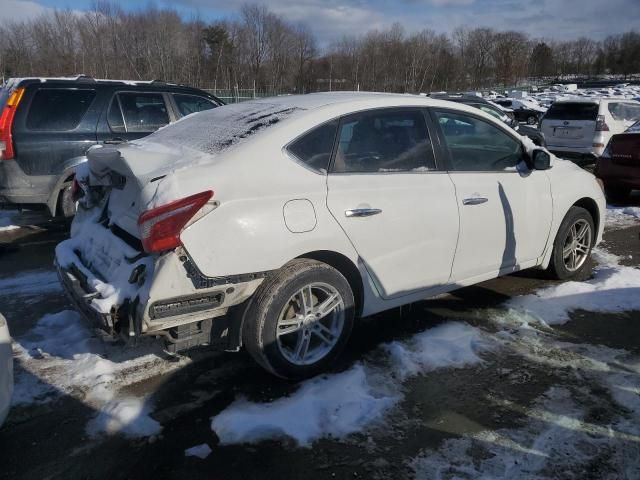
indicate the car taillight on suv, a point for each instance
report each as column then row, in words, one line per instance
column 160, row 227
column 601, row 124
column 6, row 124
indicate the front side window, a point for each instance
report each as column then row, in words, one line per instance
column 188, row 104
column 58, row 109
column 384, row 141
column 476, row 145
column 141, row 112
column 314, row 148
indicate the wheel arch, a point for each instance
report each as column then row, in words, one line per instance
column 347, row 268
column 590, row 205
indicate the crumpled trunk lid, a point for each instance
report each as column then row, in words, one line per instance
column 128, row 177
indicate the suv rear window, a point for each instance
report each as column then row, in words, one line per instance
column 58, row 109
column 188, row 104
column 573, row 111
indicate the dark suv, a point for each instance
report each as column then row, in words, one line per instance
column 47, row 125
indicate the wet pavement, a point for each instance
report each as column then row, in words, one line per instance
column 546, row 401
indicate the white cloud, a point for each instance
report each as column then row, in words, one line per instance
column 20, row 10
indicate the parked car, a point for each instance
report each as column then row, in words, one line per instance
column 501, row 113
column 524, row 111
column 619, row 165
column 47, row 125
column 580, row 129
column 6, row 369
column 275, row 223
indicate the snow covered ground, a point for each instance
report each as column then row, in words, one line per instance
column 62, row 356
column 7, row 219
column 340, row 404
column 585, row 422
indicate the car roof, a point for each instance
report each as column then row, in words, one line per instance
column 313, row 101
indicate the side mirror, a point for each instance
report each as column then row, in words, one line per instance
column 540, row 159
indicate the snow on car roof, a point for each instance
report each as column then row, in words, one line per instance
column 215, row 130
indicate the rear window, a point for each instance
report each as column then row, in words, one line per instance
column 213, row 131
column 572, row 111
column 188, row 104
column 58, row 109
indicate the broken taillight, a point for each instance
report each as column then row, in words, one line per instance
column 6, row 124
column 160, row 227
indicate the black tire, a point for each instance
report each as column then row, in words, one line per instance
column 261, row 318
column 557, row 267
column 616, row 194
column 66, row 206
column 532, row 120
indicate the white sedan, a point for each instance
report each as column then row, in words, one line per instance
column 6, row 369
column 276, row 223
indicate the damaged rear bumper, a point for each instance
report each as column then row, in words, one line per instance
column 78, row 291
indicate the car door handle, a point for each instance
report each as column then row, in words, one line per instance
column 474, row 200
column 362, row 212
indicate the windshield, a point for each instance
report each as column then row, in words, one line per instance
column 213, row 131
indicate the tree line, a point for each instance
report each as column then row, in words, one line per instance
column 258, row 49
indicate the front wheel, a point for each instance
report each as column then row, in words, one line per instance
column 300, row 319
column 571, row 256
column 532, row 120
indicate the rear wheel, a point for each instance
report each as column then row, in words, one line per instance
column 66, row 205
column 571, row 257
column 300, row 319
column 616, row 194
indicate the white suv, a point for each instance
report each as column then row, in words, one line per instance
column 274, row 224
column 580, row 129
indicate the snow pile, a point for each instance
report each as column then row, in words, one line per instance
column 340, row 404
column 59, row 356
column 36, row 282
column 201, row 451
column 614, row 288
column 622, row 216
column 129, row 416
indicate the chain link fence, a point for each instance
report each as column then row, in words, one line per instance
column 237, row 95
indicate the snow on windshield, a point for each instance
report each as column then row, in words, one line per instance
column 213, row 131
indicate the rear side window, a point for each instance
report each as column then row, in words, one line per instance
column 624, row 111
column 141, row 112
column 188, row 104
column 58, row 109
column 572, row 111
column 384, row 141
column 315, row 147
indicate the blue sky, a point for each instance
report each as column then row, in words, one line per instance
column 330, row 19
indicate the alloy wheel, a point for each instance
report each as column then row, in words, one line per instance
column 310, row 324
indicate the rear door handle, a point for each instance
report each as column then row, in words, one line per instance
column 474, row 200
column 362, row 212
